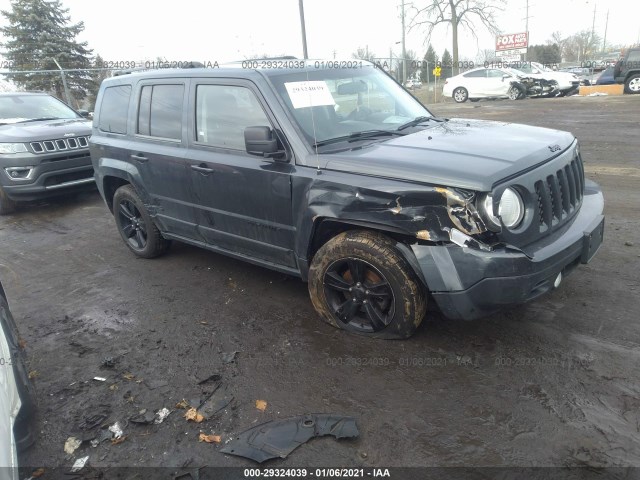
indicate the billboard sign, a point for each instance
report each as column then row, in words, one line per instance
column 512, row 41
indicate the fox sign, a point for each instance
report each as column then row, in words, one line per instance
column 511, row 41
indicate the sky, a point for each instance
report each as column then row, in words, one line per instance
column 221, row 31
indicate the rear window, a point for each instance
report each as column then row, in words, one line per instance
column 160, row 111
column 114, row 109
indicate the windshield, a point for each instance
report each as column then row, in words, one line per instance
column 22, row 108
column 335, row 103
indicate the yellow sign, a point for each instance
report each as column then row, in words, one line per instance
column 436, row 71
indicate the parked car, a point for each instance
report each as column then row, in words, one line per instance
column 344, row 179
column 568, row 83
column 606, row 77
column 481, row 83
column 16, row 394
column 44, row 148
column 627, row 70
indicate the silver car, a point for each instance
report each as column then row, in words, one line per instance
column 16, row 394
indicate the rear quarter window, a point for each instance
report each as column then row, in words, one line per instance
column 114, row 109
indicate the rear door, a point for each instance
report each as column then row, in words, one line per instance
column 243, row 201
column 160, row 139
column 476, row 83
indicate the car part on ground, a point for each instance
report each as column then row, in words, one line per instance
column 278, row 438
column 17, row 404
column 345, row 180
column 44, row 149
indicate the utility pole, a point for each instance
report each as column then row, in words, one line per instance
column 64, row 84
column 526, row 29
column 606, row 26
column 304, row 30
column 593, row 28
column 404, row 51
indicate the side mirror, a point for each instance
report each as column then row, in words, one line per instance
column 262, row 142
column 85, row 113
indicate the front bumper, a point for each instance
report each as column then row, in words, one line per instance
column 468, row 283
column 50, row 175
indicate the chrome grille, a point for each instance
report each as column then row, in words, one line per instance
column 59, row 145
column 560, row 195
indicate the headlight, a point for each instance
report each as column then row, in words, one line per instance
column 12, row 148
column 510, row 209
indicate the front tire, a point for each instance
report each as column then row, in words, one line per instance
column 359, row 282
column 632, row 85
column 135, row 225
column 7, row 205
column 460, row 95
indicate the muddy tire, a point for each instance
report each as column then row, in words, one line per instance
column 632, row 85
column 7, row 205
column 359, row 282
column 136, row 226
column 460, row 95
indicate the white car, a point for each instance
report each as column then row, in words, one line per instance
column 567, row 82
column 16, row 395
column 481, row 83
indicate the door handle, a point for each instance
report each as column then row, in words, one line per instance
column 201, row 169
column 139, row 158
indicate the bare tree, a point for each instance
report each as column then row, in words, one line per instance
column 582, row 46
column 364, row 54
column 457, row 14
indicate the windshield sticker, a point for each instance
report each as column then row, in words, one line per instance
column 309, row 94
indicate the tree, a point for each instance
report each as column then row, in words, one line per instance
column 545, row 54
column 447, row 67
column 457, row 14
column 582, row 46
column 428, row 64
column 97, row 76
column 39, row 33
column 364, row 54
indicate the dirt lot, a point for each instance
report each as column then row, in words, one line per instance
column 552, row 383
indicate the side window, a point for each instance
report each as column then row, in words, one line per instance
column 223, row 112
column 476, row 74
column 493, row 73
column 114, row 109
column 160, row 111
column 634, row 59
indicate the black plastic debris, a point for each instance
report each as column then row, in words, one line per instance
column 216, row 377
column 278, row 438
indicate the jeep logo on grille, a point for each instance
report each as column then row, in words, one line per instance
column 69, row 135
column 555, row 148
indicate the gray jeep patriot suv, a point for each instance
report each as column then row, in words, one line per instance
column 334, row 173
column 44, row 148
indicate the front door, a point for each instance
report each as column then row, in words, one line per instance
column 243, row 202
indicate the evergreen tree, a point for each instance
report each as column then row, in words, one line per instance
column 447, row 65
column 97, row 76
column 38, row 32
column 428, row 64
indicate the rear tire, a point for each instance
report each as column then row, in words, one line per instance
column 460, row 95
column 359, row 282
column 632, row 85
column 136, row 226
column 7, row 205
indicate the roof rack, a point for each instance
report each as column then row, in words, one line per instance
column 127, row 71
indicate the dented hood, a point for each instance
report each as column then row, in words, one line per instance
column 470, row 154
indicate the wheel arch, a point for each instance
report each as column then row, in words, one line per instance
column 111, row 183
column 324, row 229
